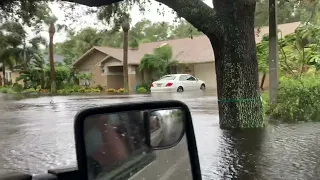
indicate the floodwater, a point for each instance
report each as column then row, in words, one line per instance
column 37, row 134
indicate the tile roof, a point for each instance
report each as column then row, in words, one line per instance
column 186, row 50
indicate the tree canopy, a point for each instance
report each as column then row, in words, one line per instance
column 142, row 32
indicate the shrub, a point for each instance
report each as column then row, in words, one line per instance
column 78, row 89
column 121, row 90
column 111, row 90
column 142, row 90
column 145, row 85
column 44, row 90
column 99, row 87
column 6, row 89
column 298, row 100
column 31, row 90
column 17, row 87
column 265, row 102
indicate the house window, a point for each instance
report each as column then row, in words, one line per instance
column 173, row 69
column 8, row 76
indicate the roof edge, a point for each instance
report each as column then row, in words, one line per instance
column 85, row 54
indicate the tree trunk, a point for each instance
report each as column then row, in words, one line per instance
column 262, row 81
column 4, row 74
column 52, row 69
column 125, row 60
column 239, row 100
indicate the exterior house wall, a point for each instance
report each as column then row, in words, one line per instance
column 13, row 75
column 139, row 75
column 88, row 65
column 115, row 81
column 112, row 62
column 185, row 69
column 132, row 77
column 113, row 70
column 207, row 73
column 149, row 75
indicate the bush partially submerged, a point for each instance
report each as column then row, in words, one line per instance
column 145, row 85
column 142, row 90
column 298, row 100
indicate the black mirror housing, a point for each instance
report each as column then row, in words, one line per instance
column 176, row 110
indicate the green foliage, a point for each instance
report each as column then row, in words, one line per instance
column 143, row 31
column 34, row 75
column 99, row 87
column 17, row 87
column 145, row 85
column 39, row 74
column 298, row 100
column 185, row 29
column 85, row 76
column 31, row 90
column 265, row 102
column 62, row 75
column 288, row 11
column 134, row 44
column 6, row 89
column 30, row 12
column 78, row 89
column 159, row 62
column 297, row 52
column 142, row 90
column 262, row 55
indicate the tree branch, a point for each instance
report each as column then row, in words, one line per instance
column 199, row 14
column 94, row 3
column 196, row 12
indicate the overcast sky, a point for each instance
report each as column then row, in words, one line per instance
column 136, row 16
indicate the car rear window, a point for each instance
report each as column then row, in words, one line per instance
column 168, row 77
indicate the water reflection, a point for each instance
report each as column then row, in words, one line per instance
column 242, row 154
column 36, row 135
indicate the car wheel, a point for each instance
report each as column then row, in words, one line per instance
column 180, row 89
column 203, row 87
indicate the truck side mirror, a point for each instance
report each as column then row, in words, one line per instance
column 120, row 140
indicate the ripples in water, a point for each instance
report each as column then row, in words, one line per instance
column 37, row 134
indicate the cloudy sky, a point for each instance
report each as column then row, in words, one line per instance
column 150, row 14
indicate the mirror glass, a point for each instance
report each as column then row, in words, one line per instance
column 116, row 147
column 166, row 127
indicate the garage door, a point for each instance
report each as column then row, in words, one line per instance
column 206, row 72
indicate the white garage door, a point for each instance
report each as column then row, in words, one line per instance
column 206, row 72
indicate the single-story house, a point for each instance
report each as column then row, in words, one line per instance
column 195, row 55
column 11, row 75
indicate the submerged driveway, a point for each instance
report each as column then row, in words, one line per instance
column 37, row 134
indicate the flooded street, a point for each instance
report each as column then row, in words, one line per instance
column 37, row 134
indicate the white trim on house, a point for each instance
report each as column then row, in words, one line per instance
column 102, row 61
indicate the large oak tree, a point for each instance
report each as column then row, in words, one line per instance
column 230, row 29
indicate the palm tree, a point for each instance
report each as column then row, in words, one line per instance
column 125, row 27
column 160, row 61
column 51, row 22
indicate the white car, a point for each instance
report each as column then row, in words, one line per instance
column 177, row 83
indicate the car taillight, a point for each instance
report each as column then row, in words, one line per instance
column 151, row 84
column 169, row 84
